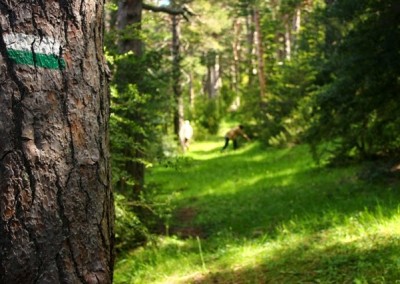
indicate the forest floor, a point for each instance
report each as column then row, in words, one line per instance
column 263, row 215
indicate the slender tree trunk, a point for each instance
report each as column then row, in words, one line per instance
column 213, row 76
column 176, row 74
column 210, row 81
column 250, row 46
column 237, row 27
column 288, row 38
column 192, row 95
column 260, row 54
column 129, row 19
column 56, row 205
column 296, row 23
column 291, row 32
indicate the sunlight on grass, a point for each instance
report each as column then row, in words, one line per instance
column 268, row 216
column 288, row 251
column 204, row 150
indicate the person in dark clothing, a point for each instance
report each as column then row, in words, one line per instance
column 233, row 134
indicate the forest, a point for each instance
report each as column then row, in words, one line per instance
column 98, row 184
column 315, row 85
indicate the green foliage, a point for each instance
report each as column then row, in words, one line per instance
column 358, row 106
column 130, row 232
column 289, row 105
column 139, row 219
column 283, row 115
column 337, row 91
column 138, row 113
column 207, row 115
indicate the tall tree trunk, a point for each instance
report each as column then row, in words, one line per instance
column 288, row 38
column 260, row 54
column 296, row 23
column 129, row 19
column 237, row 27
column 192, row 95
column 176, row 74
column 213, row 76
column 291, row 32
column 56, row 205
column 250, row 46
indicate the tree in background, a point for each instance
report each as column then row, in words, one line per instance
column 142, row 103
column 56, row 209
column 356, row 107
column 129, row 42
column 142, row 109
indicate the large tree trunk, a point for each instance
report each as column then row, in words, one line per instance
column 56, row 205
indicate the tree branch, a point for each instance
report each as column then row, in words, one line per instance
column 185, row 11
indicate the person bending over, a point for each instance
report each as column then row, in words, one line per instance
column 233, row 134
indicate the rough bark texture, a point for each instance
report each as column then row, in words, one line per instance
column 56, row 207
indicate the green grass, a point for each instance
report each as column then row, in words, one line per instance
column 267, row 216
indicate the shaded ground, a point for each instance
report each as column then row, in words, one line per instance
column 183, row 224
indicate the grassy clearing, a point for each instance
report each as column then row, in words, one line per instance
column 267, row 216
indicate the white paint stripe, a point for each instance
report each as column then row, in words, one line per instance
column 45, row 45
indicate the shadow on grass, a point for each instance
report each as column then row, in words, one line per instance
column 340, row 263
column 253, row 192
column 275, row 206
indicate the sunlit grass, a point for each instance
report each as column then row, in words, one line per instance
column 269, row 216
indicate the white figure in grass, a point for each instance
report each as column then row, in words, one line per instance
column 186, row 134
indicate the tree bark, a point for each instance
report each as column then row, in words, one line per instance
column 56, row 204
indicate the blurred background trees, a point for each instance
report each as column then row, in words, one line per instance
column 293, row 71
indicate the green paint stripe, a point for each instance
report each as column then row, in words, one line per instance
column 48, row 61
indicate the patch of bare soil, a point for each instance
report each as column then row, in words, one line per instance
column 183, row 224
